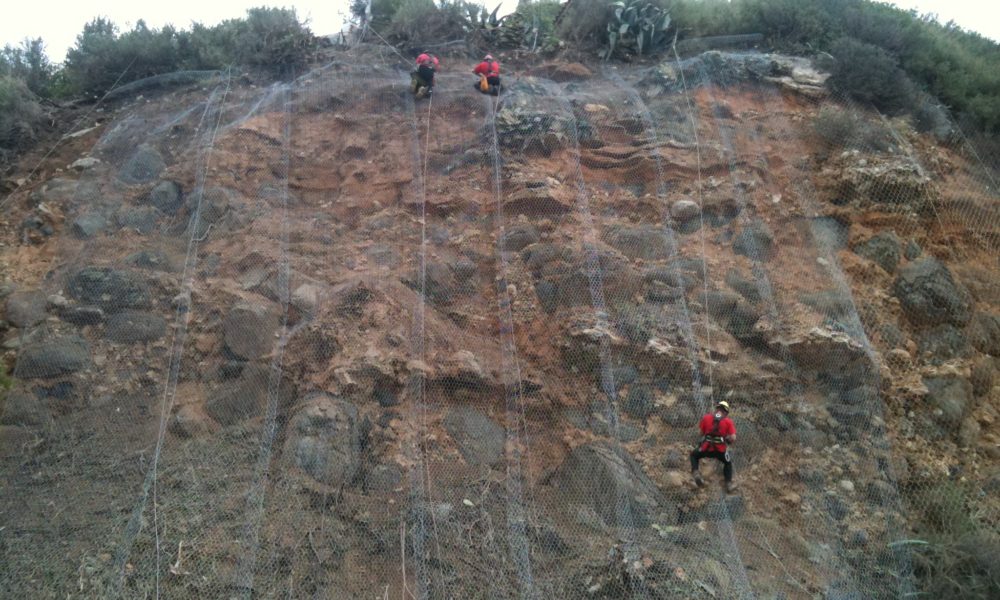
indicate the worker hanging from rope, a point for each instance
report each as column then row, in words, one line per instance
column 489, row 76
column 422, row 80
column 718, row 431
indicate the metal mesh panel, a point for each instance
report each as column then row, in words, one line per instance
column 321, row 339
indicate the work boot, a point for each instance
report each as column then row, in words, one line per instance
column 731, row 487
column 698, row 481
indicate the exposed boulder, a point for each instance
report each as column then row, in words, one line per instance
column 53, row 358
column 110, row 289
column 249, row 329
column 132, row 326
column 883, row 249
column 607, row 479
column 143, row 167
column 324, row 440
column 166, row 197
column 25, row 309
column 479, row 438
column 897, row 181
column 930, row 295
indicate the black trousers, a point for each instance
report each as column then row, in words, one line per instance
column 424, row 76
column 727, row 463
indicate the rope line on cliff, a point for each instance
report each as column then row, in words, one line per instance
column 514, row 394
column 182, row 319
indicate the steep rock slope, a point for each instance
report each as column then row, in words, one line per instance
column 315, row 338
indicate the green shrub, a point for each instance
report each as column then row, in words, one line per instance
column 270, row 38
column 20, row 116
column 636, row 27
column 957, row 555
column 422, row 23
column 102, row 56
column 838, row 129
column 267, row 38
column 28, row 63
column 869, row 74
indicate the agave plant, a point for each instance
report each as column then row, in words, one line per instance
column 638, row 26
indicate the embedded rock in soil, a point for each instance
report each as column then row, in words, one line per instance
column 324, row 440
column 943, row 342
column 166, row 196
column 53, row 358
column 930, row 295
column 639, row 402
column 14, row 440
column 950, row 398
column 132, row 326
column 111, row 289
column 518, row 236
column 206, row 208
column 984, row 333
column 646, row 241
column 479, row 438
column 981, row 377
column 826, row 350
column 25, row 309
column 143, row 167
column 82, row 315
column 882, row 249
column 755, row 242
column 439, row 284
column 190, row 421
column 743, row 285
column 89, row 224
column 22, row 408
column 248, row 396
column 607, row 479
column 249, row 331
column 685, row 210
column 154, row 260
column 142, row 219
column 831, row 303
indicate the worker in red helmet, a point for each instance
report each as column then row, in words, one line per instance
column 422, row 80
column 489, row 76
column 718, row 431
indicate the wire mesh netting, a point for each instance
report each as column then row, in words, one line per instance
column 319, row 338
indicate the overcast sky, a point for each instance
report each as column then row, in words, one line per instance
column 59, row 22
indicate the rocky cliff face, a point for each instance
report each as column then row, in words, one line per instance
column 314, row 338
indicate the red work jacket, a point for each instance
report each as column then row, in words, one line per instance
column 707, row 426
column 488, row 68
